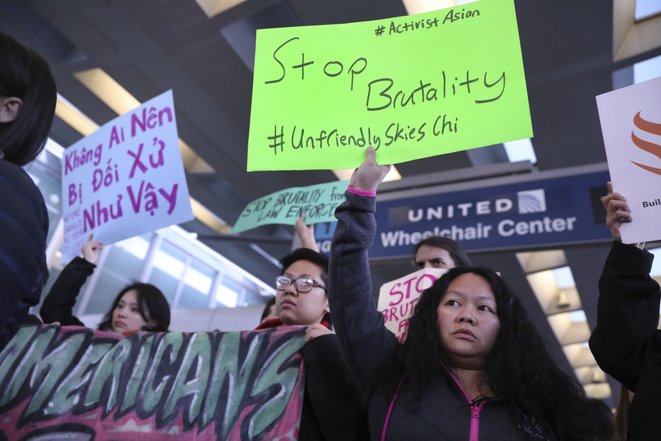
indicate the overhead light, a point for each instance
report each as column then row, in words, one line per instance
column 214, row 7
column 598, row 391
column 121, row 101
column 647, row 69
column 561, row 301
column 70, row 114
column 193, row 163
column 520, row 150
column 208, row 218
column 54, row 148
column 541, row 260
column 646, row 9
column 567, row 329
column 107, row 90
column 635, row 28
column 579, row 355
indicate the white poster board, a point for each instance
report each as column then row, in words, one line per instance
column 631, row 126
column 125, row 179
column 398, row 298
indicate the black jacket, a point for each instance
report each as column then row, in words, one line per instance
column 626, row 342
column 24, row 229
column 332, row 407
column 58, row 304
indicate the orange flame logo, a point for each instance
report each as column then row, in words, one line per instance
column 650, row 147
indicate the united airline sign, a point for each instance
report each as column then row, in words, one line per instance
column 538, row 212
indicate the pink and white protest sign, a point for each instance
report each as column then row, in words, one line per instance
column 398, row 298
column 125, row 179
column 631, row 126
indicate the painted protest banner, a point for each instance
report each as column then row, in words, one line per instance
column 631, row 126
column 412, row 87
column 398, row 298
column 125, row 179
column 76, row 383
column 318, row 202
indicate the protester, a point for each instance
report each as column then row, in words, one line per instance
column 27, row 106
column 626, row 342
column 472, row 367
column 439, row 252
column 332, row 407
column 137, row 307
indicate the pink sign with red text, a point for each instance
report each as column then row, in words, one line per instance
column 397, row 299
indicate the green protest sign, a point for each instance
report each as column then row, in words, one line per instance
column 318, row 202
column 412, row 87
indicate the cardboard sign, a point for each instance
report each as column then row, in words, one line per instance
column 125, row 179
column 77, row 384
column 412, row 87
column 318, row 202
column 631, row 126
column 397, row 299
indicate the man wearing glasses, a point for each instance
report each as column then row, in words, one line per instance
column 301, row 298
column 332, row 407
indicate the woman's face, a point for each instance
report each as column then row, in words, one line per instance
column 126, row 317
column 468, row 321
column 295, row 308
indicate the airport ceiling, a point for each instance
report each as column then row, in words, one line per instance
column 149, row 46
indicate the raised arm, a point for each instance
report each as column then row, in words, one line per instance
column 626, row 334
column 305, row 233
column 61, row 299
column 365, row 341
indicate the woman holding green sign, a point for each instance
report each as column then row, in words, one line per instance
column 473, row 366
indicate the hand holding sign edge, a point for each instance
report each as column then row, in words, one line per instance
column 369, row 175
column 617, row 212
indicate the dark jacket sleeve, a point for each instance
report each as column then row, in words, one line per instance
column 58, row 304
column 366, row 343
column 24, row 228
column 626, row 336
column 332, row 392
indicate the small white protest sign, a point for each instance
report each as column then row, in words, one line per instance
column 398, row 298
column 125, row 179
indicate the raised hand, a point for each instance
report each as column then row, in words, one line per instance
column 369, row 175
column 316, row 330
column 305, row 233
column 617, row 211
column 92, row 249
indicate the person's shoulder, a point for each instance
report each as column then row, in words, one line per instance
column 15, row 176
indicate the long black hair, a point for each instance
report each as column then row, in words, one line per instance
column 520, row 369
column 26, row 75
column 152, row 306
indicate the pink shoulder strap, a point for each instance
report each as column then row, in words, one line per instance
column 384, row 432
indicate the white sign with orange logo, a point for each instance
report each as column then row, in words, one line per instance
column 398, row 298
column 631, row 127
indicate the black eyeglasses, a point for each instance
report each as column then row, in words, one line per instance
column 302, row 284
